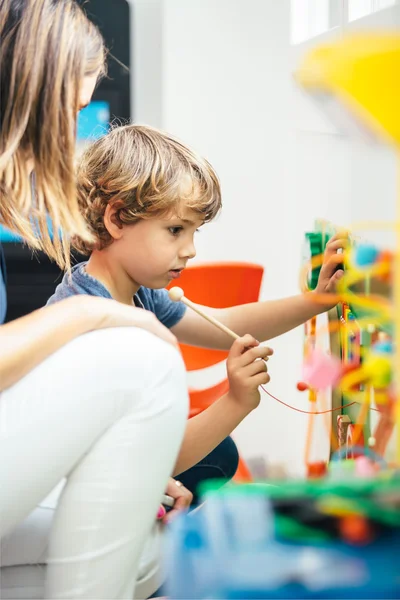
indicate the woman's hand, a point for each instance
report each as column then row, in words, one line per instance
column 247, row 370
column 107, row 313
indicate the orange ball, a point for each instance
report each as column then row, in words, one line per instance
column 386, row 257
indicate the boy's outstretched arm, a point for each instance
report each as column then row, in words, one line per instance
column 266, row 320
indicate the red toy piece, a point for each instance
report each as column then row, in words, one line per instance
column 302, row 386
column 355, row 530
column 317, row 470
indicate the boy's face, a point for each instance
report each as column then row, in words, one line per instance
column 155, row 251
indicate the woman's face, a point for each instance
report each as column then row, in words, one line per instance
column 87, row 89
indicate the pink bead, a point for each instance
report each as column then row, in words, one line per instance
column 320, row 370
column 364, row 467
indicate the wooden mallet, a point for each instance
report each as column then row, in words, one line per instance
column 176, row 294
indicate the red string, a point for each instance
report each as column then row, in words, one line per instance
column 310, row 412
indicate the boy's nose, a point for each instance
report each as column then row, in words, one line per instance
column 188, row 252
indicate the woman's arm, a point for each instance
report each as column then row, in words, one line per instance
column 26, row 342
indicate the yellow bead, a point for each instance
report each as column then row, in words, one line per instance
column 379, row 370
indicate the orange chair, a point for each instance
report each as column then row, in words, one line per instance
column 219, row 285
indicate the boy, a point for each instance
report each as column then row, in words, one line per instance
column 144, row 195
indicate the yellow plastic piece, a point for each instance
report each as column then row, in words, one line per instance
column 312, row 395
column 337, row 507
column 379, row 371
column 376, row 371
column 362, row 72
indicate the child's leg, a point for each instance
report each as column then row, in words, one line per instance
column 221, row 463
column 108, row 411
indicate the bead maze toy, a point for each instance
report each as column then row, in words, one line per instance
column 359, row 367
column 355, row 80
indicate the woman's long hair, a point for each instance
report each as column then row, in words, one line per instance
column 47, row 47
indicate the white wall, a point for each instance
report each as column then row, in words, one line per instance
column 226, row 90
column 217, row 73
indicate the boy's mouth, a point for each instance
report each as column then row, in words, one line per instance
column 175, row 273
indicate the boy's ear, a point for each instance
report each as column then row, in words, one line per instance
column 111, row 221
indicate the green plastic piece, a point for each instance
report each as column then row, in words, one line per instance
column 214, row 487
column 318, row 487
column 316, row 247
column 367, row 497
column 289, row 528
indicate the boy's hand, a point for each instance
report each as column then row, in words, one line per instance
column 330, row 274
column 247, row 371
column 182, row 496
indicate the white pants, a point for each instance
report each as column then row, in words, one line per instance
column 24, row 554
column 107, row 411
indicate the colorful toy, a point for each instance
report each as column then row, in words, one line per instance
column 358, row 75
column 324, row 538
column 365, row 346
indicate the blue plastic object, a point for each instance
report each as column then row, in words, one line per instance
column 383, row 347
column 230, row 549
column 365, row 255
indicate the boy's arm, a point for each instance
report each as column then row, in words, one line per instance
column 208, row 429
column 264, row 320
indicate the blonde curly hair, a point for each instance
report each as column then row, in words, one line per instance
column 145, row 173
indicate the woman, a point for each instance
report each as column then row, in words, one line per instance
column 110, row 434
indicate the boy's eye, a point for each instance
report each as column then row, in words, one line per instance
column 175, row 230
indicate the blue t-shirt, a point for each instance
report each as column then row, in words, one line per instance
column 3, row 295
column 156, row 301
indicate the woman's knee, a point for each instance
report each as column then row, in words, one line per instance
column 92, row 373
column 128, row 350
column 125, row 356
column 132, row 363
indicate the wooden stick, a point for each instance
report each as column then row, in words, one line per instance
column 210, row 319
column 176, row 294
